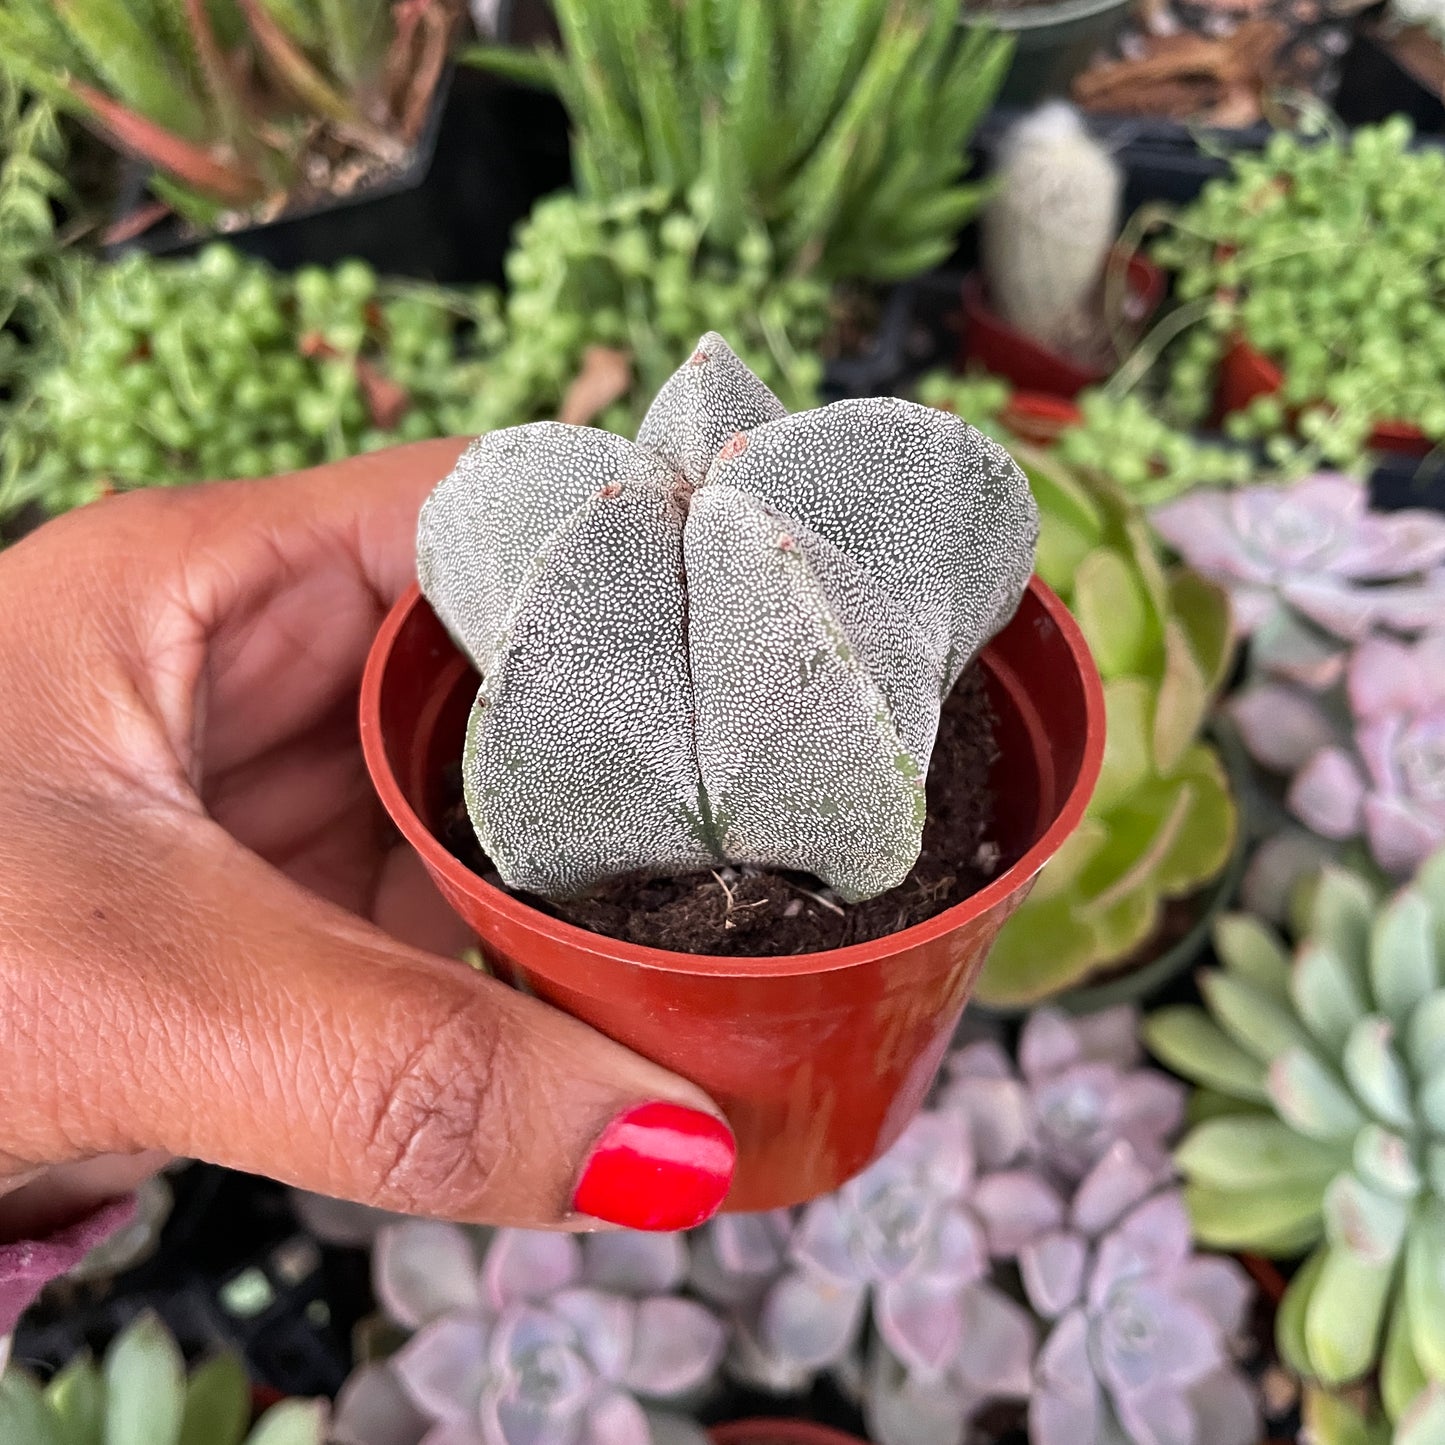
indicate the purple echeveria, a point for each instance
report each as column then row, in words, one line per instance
column 1383, row 776
column 1139, row 1326
column 1080, row 1086
column 550, row 1342
column 1311, row 566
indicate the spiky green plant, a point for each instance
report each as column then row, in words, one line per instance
column 1162, row 821
column 141, row 1395
column 224, row 97
column 1322, row 1107
column 842, row 129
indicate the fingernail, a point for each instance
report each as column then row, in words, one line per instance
column 658, row 1166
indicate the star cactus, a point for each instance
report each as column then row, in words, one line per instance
column 726, row 642
column 1311, row 567
column 551, row 1339
column 1323, row 1096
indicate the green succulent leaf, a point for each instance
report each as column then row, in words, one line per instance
column 1282, row 1221
column 1289, row 1321
column 1333, row 1421
column 1430, row 884
column 1251, row 1016
column 1204, row 844
column 1424, row 1422
column 1367, row 1222
column 1310, row 1097
column 1403, row 968
column 1244, row 1153
column 1182, row 701
column 1114, row 612
column 1382, row 1160
column 1251, row 950
column 1192, row 1044
column 144, row 1386
column 1425, row 1287
column 1425, row 1036
column 1401, row 1375
column 78, row 1399
column 218, row 1404
column 1203, row 611
column 1071, row 524
column 292, row 1422
column 1435, row 1168
column 1376, row 1074
column 1128, row 702
column 1431, row 1099
column 1327, row 994
column 1344, row 1315
column 1342, row 916
column 1043, row 948
column 25, row 1416
column 1061, row 872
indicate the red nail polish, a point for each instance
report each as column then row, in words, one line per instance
column 658, row 1166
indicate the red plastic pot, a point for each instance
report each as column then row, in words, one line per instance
column 990, row 342
column 1034, row 417
column 779, row 1432
column 818, row 1060
column 1245, row 373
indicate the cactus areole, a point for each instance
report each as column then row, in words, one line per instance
column 726, row 642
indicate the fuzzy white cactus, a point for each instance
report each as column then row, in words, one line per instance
column 1048, row 230
column 728, row 641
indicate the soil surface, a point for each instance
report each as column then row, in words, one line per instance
column 746, row 912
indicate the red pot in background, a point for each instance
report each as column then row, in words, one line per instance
column 1245, row 373
column 1034, row 417
column 779, row 1432
column 818, row 1060
column 990, row 342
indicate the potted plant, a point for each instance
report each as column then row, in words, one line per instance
column 1126, row 903
column 141, row 1394
column 1314, row 269
column 773, row 1036
column 1037, row 313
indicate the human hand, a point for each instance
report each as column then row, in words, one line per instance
column 211, row 943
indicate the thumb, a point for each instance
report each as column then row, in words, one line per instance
column 242, row 1020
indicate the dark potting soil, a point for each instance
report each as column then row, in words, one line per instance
column 753, row 913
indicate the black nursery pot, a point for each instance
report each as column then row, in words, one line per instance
column 1374, row 86
column 490, row 150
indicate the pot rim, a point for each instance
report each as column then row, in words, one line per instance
column 1041, row 17
column 1067, row 816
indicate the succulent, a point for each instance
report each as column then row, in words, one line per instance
column 1079, row 1088
column 228, row 99
column 552, row 1339
column 1049, row 227
column 905, row 1245
column 1161, row 823
column 1323, row 1127
column 1387, row 781
column 1310, row 567
column 841, row 132
column 140, row 1395
column 1333, row 1420
column 768, row 610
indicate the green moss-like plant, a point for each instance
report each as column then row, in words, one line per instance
column 1162, row 821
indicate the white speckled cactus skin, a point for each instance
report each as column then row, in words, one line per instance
column 1047, row 232
column 728, row 641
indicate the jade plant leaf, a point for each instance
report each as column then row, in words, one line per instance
column 1113, row 609
column 1127, row 705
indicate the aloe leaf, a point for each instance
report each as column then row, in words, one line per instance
column 167, row 151
column 1344, row 1316
column 538, row 69
column 292, row 69
column 1192, row 1044
column 144, row 1386
column 1251, row 950
column 1243, row 1153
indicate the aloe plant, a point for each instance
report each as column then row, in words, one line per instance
column 842, row 129
column 140, row 1394
column 1162, row 821
column 223, row 97
column 1322, row 1101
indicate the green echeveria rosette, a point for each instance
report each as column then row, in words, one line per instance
column 1321, row 1112
column 1162, row 822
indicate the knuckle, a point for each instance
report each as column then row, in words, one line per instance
column 437, row 1123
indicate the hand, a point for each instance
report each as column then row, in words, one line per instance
column 202, row 907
